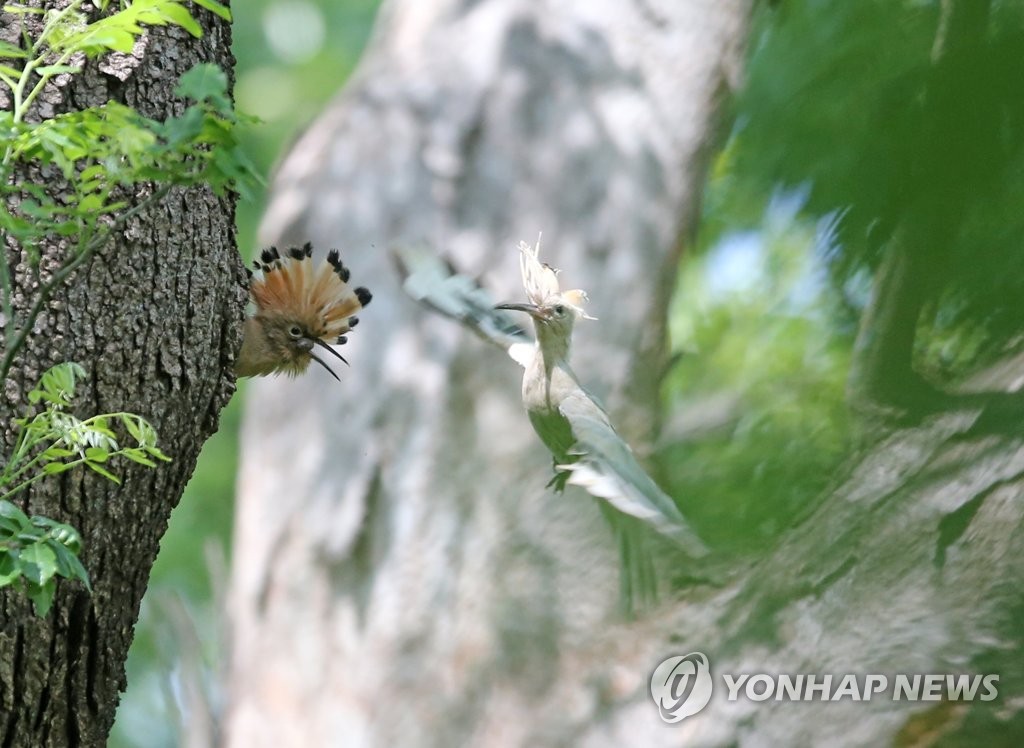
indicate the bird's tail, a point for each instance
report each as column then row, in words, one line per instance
column 638, row 578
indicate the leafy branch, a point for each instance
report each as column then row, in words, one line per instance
column 94, row 164
column 102, row 153
column 35, row 550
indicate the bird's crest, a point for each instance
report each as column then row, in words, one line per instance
column 540, row 281
column 321, row 300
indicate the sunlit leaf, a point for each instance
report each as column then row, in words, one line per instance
column 38, row 563
column 42, row 596
column 215, row 7
column 12, row 50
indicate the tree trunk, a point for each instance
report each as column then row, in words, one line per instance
column 154, row 318
column 401, row 575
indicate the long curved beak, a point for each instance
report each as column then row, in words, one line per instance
column 309, row 343
column 324, row 364
column 532, row 309
column 322, row 344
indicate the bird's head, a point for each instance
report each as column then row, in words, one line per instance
column 554, row 311
column 291, row 342
column 298, row 308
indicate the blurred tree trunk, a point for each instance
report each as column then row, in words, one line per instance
column 401, row 575
column 154, row 318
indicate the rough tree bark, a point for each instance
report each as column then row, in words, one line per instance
column 154, row 318
column 401, row 575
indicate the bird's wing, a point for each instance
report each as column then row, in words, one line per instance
column 606, row 468
column 436, row 283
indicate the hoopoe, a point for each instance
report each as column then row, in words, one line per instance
column 587, row 450
column 298, row 308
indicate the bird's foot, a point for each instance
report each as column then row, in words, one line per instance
column 558, row 480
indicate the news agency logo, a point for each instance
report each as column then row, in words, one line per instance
column 681, row 686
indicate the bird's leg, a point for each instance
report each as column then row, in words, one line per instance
column 559, row 479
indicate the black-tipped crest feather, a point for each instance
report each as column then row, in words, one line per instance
column 289, row 293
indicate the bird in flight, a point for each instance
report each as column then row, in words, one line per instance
column 586, row 449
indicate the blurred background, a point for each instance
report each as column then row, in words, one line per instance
column 851, row 128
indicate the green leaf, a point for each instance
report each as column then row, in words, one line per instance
column 8, row 528
column 154, row 451
column 12, row 50
column 184, row 129
column 98, row 431
column 42, row 596
column 59, row 531
column 23, row 10
column 179, row 15
column 52, row 70
column 11, row 512
column 9, row 568
column 204, row 82
column 139, row 456
column 12, row 73
column 56, row 453
column 58, row 382
column 104, row 472
column 38, row 563
column 68, row 564
column 214, row 7
column 134, row 428
column 92, row 203
column 53, row 468
column 93, row 172
column 140, row 429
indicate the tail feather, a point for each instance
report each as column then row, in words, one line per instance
column 638, row 581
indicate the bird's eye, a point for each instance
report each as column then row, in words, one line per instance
column 295, row 331
column 559, row 310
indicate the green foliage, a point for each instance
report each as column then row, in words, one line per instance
column 760, row 378
column 92, row 159
column 34, row 551
column 901, row 114
column 96, row 158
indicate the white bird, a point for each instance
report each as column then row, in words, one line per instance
column 587, row 450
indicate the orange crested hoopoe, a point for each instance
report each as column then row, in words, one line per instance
column 298, row 307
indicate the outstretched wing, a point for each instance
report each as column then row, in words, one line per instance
column 606, row 468
column 436, row 283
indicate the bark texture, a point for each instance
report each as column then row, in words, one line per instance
column 154, row 318
column 401, row 575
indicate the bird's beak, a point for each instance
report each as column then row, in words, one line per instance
column 323, row 364
column 308, row 344
column 322, row 344
column 532, row 309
